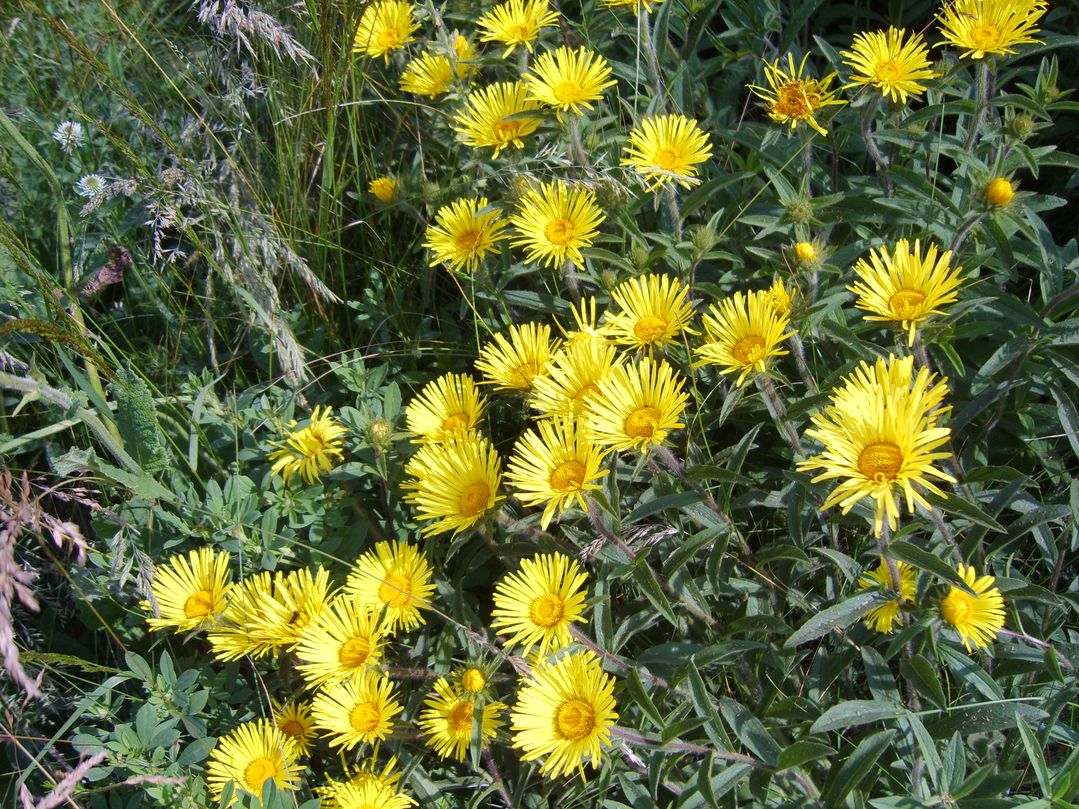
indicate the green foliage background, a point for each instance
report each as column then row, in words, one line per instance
column 266, row 280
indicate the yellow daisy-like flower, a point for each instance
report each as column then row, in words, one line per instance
column 386, row 26
column 904, row 287
column 357, row 710
column 464, row 53
column 367, row 780
column 981, row 28
column 251, row 755
column 637, row 4
column 806, row 253
column 472, row 680
column 466, row 231
column 885, row 617
column 536, row 605
column 342, row 642
column 999, row 192
column 496, row 117
column 514, row 364
column 792, row 97
column 384, row 189
column 454, row 484
column 977, row 618
column 880, row 435
column 781, row 298
column 585, row 320
column 742, row 333
column 310, row 452
column 652, row 311
column 393, row 580
column 553, row 465
column 446, row 408
column 555, row 221
column 565, row 711
column 429, row 75
column 572, row 380
column 665, row 149
column 637, row 406
column 294, row 722
column 883, row 60
column 369, row 795
column 568, row 80
column 516, row 22
column 190, row 590
column 268, row 613
column 448, row 720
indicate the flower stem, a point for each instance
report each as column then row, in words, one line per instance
column 981, row 101
column 573, row 130
column 893, row 568
column 778, row 412
column 675, row 211
column 651, row 58
column 965, row 228
column 871, row 143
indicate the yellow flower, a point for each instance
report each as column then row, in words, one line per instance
column 311, row 451
column 743, row 332
column 386, row 25
column 392, row 580
column 637, row 4
column 806, row 253
column 637, row 406
column 555, row 221
column 448, row 720
column 572, row 379
column 515, row 363
column 516, row 22
column 453, row 484
column 472, row 680
column 652, row 311
column 565, row 711
column 495, row 116
column 977, row 618
column 466, row 231
column 983, row 28
column 384, row 188
column 568, row 80
column 429, row 75
column 553, row 465
column 536, row 605
column 191, row 590
column 883, row 60
column 369, row 795
column 665, row 149
column 903, row 287
column 294, row 722
column 366, row 783
column 355, row 711
column 250, row 755
column 464, row 53
column 999, row 192
column 880, row 435
column 885, row 617
column 781, row 298
column 792, row 97
column 447, row 408
column 342, row 642
column 584, row 318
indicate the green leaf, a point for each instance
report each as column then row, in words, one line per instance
column 838, row 616
column 983, row 718
column 196, row 752
column 856, row 712
column 750, row 730
column 1036, row 756
column 857, row 767
column 802, row 752
column 919, row 672
column 958, row 505
column 923, row 560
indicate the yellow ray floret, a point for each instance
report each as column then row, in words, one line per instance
column 568, row 80
column 513, row 363
column 342, row 642
column 464, row 232
column 447, row 408
column 536, row 605
column 565, row 711
column 454, row 484
column 978, row 618
column 904, row 286
column 449, row 717
column 311, row 451
column 571, row 384
column 356, row 711
column 555, row 221
column 386, row 26
column 294, row 722
column 881, row 437
column 497, row 117
column 429, row 75
column 651, row 311
column 393, row 581
column 885, row 618
column 516, row 22
column 251, row 755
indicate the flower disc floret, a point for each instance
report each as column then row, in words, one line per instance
column 792, row 97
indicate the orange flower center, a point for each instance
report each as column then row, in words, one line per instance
column 395, row 591
column 365, row 717
column 575, row 719
column 388, row 37
column 507, row 131
column 984, row 37
column 880, row 462
column 793, row 101
column 256, row 773
column 456, row 423
column 589, row 389
column 518, row 33
column 907, row 303
column 667, row 158
column 559, row 231
column 641, row 423
column 887, row 71
column 650, row 328
column 475, row 499
column 293, row 729
column 459, row 717
column 749, row 350
column 546, row 611
column 568, row 476
column 567, row 92
column 354, row 652
column 957, row 607
column 468, row 241
column 200, row 605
